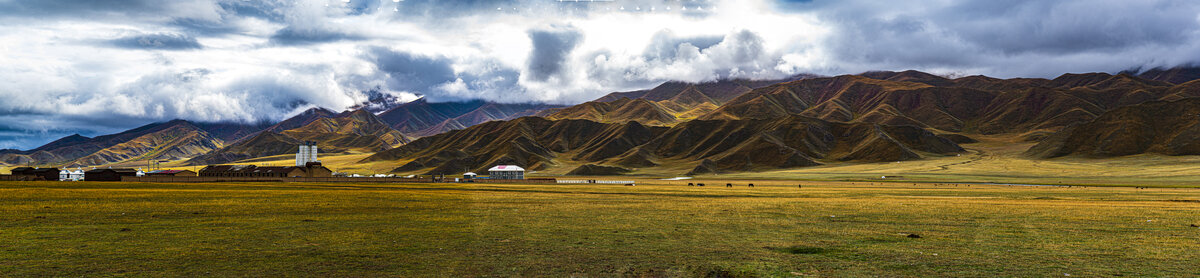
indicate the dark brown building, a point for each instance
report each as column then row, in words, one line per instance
column 312, row 170
column 175, row 173
column 50, row 174
column 108, row 174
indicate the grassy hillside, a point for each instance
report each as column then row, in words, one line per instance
column 1000, row 159
column 774, row 229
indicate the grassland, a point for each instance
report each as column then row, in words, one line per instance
column 657, row 228
column 999, row 159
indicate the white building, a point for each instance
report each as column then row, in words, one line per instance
column 77, row 175
column 306, row 154
column 68, row 175
column 469, row 175
column 506, row 172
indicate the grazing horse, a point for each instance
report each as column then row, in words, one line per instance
column 751, row 185
column 699, row 184
column 728, row 185
column 691, row 184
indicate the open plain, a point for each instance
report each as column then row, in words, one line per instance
column 657, row 228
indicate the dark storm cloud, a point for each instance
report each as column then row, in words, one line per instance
column 164, row 41
column 411, row 72
column 267, row 10
column 293, row 35
column 550, row 50
column 271, row 11
column 1028, row 38
column 62, row 7
column 1060, row 27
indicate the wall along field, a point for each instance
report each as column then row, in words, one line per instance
column 654, row 229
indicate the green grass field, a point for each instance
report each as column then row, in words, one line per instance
column 775, row 229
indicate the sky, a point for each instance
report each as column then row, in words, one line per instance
column 101, row 66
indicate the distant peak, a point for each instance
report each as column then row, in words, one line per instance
column 1079, row 75
column 358, row 113
column 315, row 110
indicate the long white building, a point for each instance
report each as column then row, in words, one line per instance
column 506, row 172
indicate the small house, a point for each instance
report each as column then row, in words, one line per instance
column 469, row 175
column 77, row 175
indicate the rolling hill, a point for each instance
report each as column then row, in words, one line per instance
column 713, row 146
column 179, row 139
column 490, row 111
column 664, row 105
column 618, row 111
column 158, row 141
column 1175, row 75
column 1163, row 127
column 421, row 118
column 358, row 130
column 973, row 104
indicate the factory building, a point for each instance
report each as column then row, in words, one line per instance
column 307, row 166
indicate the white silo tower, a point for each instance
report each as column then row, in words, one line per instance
column 312, row 155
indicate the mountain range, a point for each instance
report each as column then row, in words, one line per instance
column 709, row 127
column 212, row 143
column 709, row 145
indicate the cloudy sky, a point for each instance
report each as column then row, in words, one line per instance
column 101, row 66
